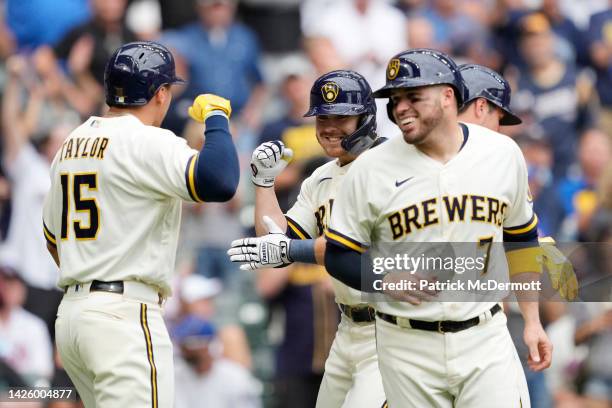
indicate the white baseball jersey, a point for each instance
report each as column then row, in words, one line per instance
column 114, row 207
column 309, row 216
column 396, row 193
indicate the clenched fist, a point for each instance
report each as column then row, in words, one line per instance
column 209, row 104
column 267, row 161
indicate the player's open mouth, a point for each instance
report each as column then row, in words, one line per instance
column 407, row 121
column 333, row 139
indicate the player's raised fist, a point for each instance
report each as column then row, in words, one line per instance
column 267, row 161
column 208, row 104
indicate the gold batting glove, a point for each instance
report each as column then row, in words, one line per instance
column 559, row 268
column 209, row 104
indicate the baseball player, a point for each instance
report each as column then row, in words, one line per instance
column 488, row 104
column 111, row 220
column 345, row 127
column 441, row 182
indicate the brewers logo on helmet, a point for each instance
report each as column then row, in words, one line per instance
column 421, row 67
column 393, row 68
column 330, row 91
column 345, row 92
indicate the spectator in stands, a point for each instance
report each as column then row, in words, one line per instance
column 421, row 34
column 570, row 42
column 222, row 57
column 7, row 39
column 577, row 194
column 594, row 327
column 199, row 297
column 144, row 19
column 539, row 157
column 203, row 377
column 455, row 28
column 41, row 22
column 49, row 98
column 24, row 341
column 27, row 169
column 361, row 35
column 293, row 129
column 547, row 91
column 88, row 46
column 600, row 48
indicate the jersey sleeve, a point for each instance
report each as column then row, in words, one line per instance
column 167, row 166
column 520, row 222
column 51, row 222
column 352, row 219
column 301, row 217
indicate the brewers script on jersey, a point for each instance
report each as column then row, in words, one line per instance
column 397, row 193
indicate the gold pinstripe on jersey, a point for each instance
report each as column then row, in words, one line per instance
column 147, row 334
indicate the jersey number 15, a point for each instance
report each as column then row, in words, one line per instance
column 81, row 204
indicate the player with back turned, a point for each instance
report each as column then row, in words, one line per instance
column 345, row 115
column 442, row 181
column 112, row 218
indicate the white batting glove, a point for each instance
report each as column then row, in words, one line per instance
column 267, row 251
column 267, row 161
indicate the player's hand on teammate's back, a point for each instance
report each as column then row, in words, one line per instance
column 206, row 104
column 267, row 251
column 560, row 270
column 267, row 162
column 539, row 345
column 417, row 295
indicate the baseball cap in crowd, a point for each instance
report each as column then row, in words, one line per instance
column 193, row 331
column 534, row 23
column 197, row 287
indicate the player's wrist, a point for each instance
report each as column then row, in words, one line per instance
column 302, row 250
column 260, row 179
column 215, row 113
column 261, row 185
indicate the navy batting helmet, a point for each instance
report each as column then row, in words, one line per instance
column 421, row 67
column 346, row 93
column 136, row 71
column 483, row 82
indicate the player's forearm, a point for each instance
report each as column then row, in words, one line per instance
column 528, row 300
column 345, row 265
column 266, row 203
column 530, row 312
column 217, row 168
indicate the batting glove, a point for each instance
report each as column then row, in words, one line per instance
column 559, row 268
column 267, row 161
column 208, row 104
column 267, row 251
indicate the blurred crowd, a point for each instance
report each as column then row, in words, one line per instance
column 267, row 335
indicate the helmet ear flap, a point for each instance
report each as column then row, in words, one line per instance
column 390, row 106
